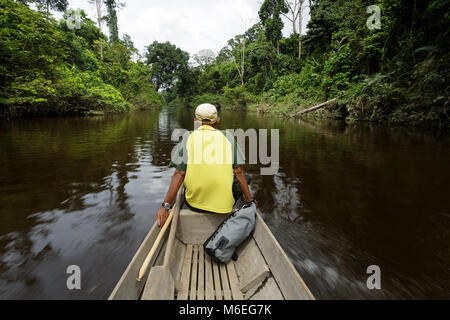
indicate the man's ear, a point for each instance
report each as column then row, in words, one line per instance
column 217, row 121
column 197, row 124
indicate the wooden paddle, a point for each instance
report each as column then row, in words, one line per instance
column 173, row 213
column 162, row 283
column 173, row 228
column 152, row 252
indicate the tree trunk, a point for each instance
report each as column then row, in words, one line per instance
column 319, row 106
column 294, row 13
column 294, row 25
column 300, row 22
column 99, row 21
column 243, row 61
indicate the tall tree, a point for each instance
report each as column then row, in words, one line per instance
column 269, row 13
column 111, row 18
column 293, row 13
column 100, row 18
column 166, row 62
column 300, row 27
column 237, row 46
column 296, row 14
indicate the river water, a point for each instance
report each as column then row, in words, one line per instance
column 84, row 191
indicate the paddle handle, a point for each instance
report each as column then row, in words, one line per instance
column 150, row 255
column 173, row 227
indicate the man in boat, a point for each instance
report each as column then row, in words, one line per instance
column 209, row 162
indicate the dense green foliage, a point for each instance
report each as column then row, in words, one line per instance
column 397, row 73
column 46, row 67
column 167, row 62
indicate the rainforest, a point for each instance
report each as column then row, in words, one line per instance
column 396, row 72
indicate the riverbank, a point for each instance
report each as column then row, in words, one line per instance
column 352, row 111
column 48, row 67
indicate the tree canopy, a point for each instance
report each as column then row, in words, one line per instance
column 270, row 15
column 166, row 61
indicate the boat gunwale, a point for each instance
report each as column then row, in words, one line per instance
column 290, row 266
column 260, row 227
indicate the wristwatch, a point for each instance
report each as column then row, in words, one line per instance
column 166, row 205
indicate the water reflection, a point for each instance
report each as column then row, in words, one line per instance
column 77, row 191
column 347, row 197
column 84, row 191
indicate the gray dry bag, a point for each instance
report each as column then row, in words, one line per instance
column 222, row 244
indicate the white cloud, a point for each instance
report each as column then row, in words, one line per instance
column 190, row 25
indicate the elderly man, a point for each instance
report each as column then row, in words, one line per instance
column 209, row 162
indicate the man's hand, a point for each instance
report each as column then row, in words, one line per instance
column 256, row 202
column 175, row 184
column 161, row 216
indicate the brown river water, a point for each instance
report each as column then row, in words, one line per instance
column 84, row 191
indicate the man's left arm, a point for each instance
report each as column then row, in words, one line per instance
column 239, row 173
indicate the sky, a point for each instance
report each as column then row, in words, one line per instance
column 191, row 25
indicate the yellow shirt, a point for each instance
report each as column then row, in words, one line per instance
column 208, row 157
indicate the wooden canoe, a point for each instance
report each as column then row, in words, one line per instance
column 262, row 271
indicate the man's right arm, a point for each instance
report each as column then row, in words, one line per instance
column 177, row 181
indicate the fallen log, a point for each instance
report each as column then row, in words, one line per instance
column 319, row 106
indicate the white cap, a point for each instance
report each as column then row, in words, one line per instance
column 206, row 111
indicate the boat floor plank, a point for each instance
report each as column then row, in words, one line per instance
column 204, row 279
column 201, row 274
column 185, row 274
column 234, row 282
column 193, row 293
column 217, row 284
column 225, row 284
column 209, row 278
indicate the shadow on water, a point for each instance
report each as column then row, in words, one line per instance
column 84, row 191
